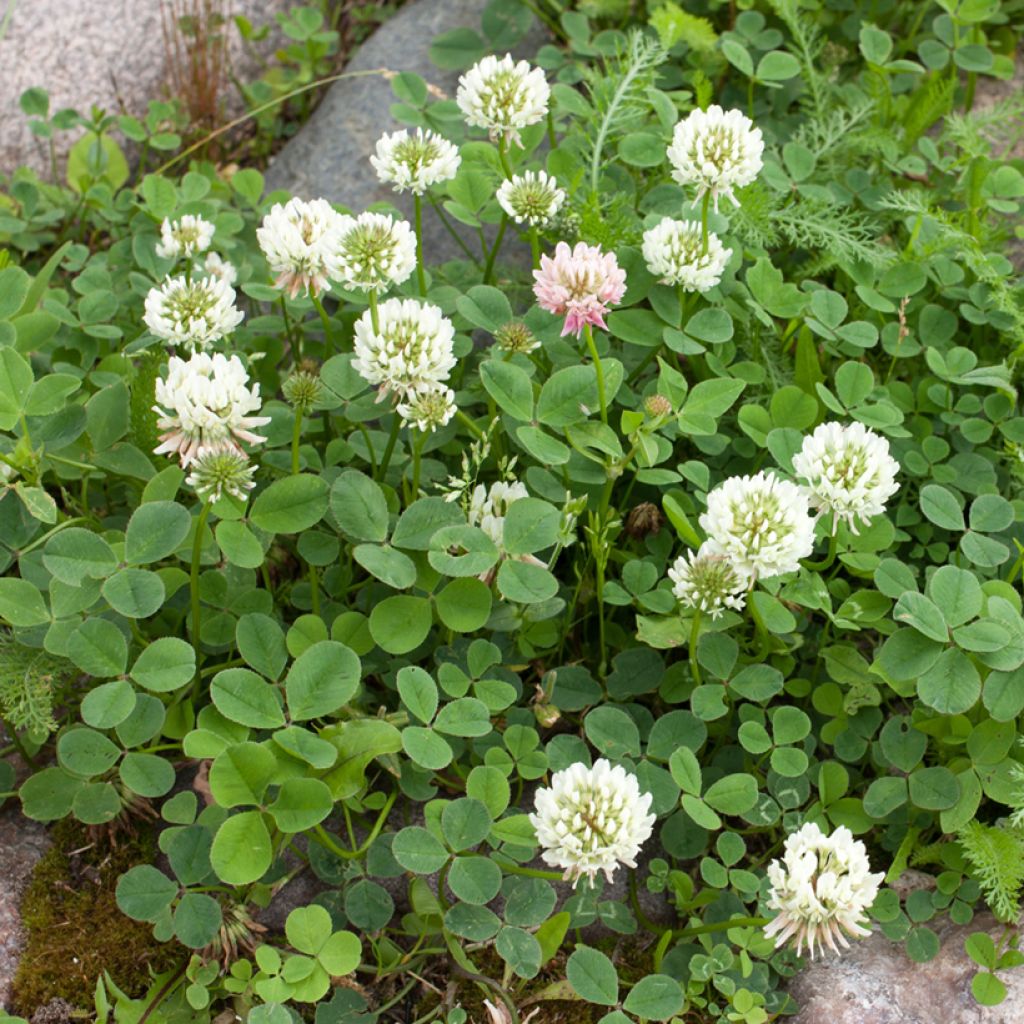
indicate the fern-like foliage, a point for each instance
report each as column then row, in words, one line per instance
column 996, row 856
column 617, row 93
column 29, row 681
column 807, row 47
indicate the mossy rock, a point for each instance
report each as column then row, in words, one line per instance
column 73, row 928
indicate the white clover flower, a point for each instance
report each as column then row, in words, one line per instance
column 410, row 352
column 215, row 266
column 373, row 251
column 185, row 236
column 503, row 95
column 674, row 251
column 848, row 471
column 717, row 150
column 221, row 470
column 195, row 313
column 761, row 523
column 707, row 581
column 299, row 241
column 821, row 888
column 206, row 402
column 531, row 198
column 489, row 506
column 415, row 162
column 592, row 819
column 428, row 409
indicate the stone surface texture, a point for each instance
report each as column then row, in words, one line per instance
column 874, row 982
column 329, row 157
column 22, row 843
column 104, row 52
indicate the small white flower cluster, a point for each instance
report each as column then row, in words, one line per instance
column 299, row 240
column 674, row 252
column 716, row 150
column 822, row 888
column 428, row 409
column 195, row 313
column 531, row 198
column 503, row 95
column 848, row 472
column 184, row 237
column 415, row 162
column 592, row 819
column 762, row 526
column 409, row 352
column 489, row 506
column 373, row 251
column 205, row 405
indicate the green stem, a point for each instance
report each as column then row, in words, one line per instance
column 535, row 247
column 16, row 740
column 421, row 273
column 326, row 839
column 49, row 533
column 503, row 156
column 721, row 926
column 417, row 453
column 694, row 637
column 326, row 321
column 396, row 426
column 294, row 337
column 492, row 255
column 296, row 438
column 374, row 315
column 705, row 204
column 598, row 370
column 197, row 551
column 467, row 422
column 830, row 557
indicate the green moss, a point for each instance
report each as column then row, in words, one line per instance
column 74, row 930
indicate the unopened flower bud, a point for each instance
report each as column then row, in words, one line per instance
column 515, row 336
column 303, row 389
column 657, row 405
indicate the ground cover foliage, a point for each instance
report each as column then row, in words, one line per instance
column 395, row 568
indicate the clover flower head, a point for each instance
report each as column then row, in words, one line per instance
column 195, row 313
column 303, row 388
column 299, row 240
column 717, row 151
column 220, row 470
column 592, row 819
column 674, row 251
column 503, row 95
column 708, row 582
column 409, row 352
column 374, row 251
column 488, row 507
column 223, row 270
column 515, row 336
column 761, row 523
column 428, row 409
column 416, row 161
column 206, row 403
column 848, row 471
column 822, row 888
column 579, row 284
column 531, row 198
column 184, row 237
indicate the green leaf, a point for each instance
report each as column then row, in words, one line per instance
column 510, row 387
column 939, row 504
column 135, row 593
column 241, row 851
column 166, row 665
column 417, row 850
column 359, row 506
column 465, row 716
column 98, row 647
column 388, row 565
column 952, row 685
column 86, row 752
column 733, row 794
column 74, row 555
column 567, row 396
column 245, row 698
column 197, row 919
column 240, row 545
column 475, row 880
column 464, row 605
column 465, row 823
column 418, row 692
column 155, row 531
column 15, row 378
column 21, row 604
column 530, row 525
column 924, row 615
column 239, row 775
column 106, row 706
column 525, row 583
column 593, row 976
column 301, row 804
column 422, row 519
column 144, row 892
column 290, row 505
column 400, row 624
column 706, row 402
column 322, row 679
column 655, row 997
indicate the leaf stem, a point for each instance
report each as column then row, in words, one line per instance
column 421, row 273
column 598, row 370
column 197, row 551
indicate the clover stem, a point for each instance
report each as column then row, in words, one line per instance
column 374, row 316
column 492, row 255
column 421, row 274
column 197, row 551
column 598, row 370
column 694, row 636
column 326, row 321
column 705, row 204
column 296, row 438
column 396, row 426
column 535, row 247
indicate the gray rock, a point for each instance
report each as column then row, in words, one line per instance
column 874, row 982
column 105, row 52
column 329, row 156
column 22, row 843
